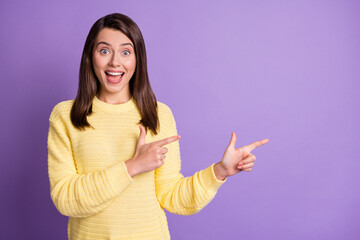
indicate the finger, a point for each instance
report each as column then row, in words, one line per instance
column 249, row 159
column 232, row 140
column 254, row 145
column 142, row 135
column 247, row 169
column 249, row 165
column 164, row 150
column 161, row 156
column 165, row 141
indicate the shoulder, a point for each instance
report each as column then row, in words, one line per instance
column 61, row 111
column 164, row 111
column 166, row 120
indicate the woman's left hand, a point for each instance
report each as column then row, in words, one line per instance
column 237, row 159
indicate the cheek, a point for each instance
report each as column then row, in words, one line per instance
column 131, row 64
column 98, row 63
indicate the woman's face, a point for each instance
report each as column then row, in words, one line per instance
column 114, row 63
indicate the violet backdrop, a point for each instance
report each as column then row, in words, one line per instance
column 284, row 70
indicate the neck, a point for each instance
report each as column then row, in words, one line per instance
column 114, row 98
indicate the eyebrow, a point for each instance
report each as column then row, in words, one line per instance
column 108, row 44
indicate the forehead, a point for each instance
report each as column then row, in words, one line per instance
column 112, row 36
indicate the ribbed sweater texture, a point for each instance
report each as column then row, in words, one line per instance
column 89, row 181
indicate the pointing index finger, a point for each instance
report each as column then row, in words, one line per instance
column 256, row 144
column 168, row 140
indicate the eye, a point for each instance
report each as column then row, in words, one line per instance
column 104, row 51
column 126, row 52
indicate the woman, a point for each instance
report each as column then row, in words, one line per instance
column 113, row 152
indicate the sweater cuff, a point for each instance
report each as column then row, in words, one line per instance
column 210, row 180
column 119, row 177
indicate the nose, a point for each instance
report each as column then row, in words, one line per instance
column 115, row 60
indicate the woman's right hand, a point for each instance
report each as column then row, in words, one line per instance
column 148, row 156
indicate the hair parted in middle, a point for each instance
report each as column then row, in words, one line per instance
column 139, row 84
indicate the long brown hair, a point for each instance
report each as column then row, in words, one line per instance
column 139, row 84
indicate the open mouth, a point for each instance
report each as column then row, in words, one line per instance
column 114, row 77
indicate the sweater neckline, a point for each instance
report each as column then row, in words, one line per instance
column 121, row 107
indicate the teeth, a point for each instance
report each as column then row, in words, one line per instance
column 114, row 73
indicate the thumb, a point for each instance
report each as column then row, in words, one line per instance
column 232, row 140
column 142, row 135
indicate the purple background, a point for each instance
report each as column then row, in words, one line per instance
column 284, row 70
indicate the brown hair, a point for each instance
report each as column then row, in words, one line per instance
column 139, row 84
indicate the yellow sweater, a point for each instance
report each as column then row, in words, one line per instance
column 89, row 181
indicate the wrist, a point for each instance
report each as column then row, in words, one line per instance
column 220, row 171
column 130, row 168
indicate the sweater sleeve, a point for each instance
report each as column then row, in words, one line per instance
column 176, row 193
column 74, row 194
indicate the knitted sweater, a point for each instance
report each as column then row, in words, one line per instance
column 89, row 181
